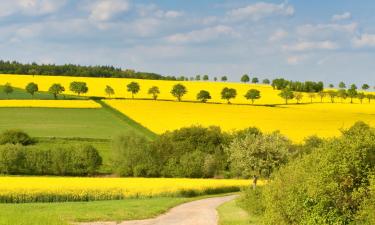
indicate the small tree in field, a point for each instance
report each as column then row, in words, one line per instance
column 352, row 92
column 109, row 90
column 332, row 95
column 178, row 91
column 224, row 78
column 79, row 87
column 206, row 77
column 286, row 94
column 322, row 95
column 8, row 89
column 361, row 96
column 266, row 81
column 133, row 87
column 245, row 78
column 56, row 89
column 228, row 94
column 215, row 78
column 31, row 88
column 342, row 85
column 331, row 86
column 252, row 94
column 255, row 80
column 342, row 94
column 203, row 96
column 365, row 87
column 311, row 96
column 154, row 91
column 369, row 97
column 298, row 96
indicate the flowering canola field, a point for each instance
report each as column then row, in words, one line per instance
column 79, row 104
column 294, row 121
column 55, row 189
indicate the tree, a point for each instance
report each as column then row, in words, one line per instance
column 215, row 78
column 298, row 97
column 198, row 77
column 342, row 94
column 203, row 96
column 352, row 92
column 178, row 91
column 255, row 80
column 224, row 78
column 79, row 87
column 361, row 96
column 322, row 95
column 342, row 85
column 133, row 87
column 109, row 90
column 31, row 88
column 332, row 94
column 205, row 77
column 311, row 96
column 154, row 91
column 266, row 81
column 228, row 93
column 56, row 89
column 331, row 86
column 252, row 94
column 286, row 94
column 8, row 89
column 365, row 87
column 245, row 78
column 369, row 97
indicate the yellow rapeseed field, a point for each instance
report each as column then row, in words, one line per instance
column 86, row 104
column 50, row 189
column 294, row 121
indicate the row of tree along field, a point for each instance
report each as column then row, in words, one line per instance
column 179, row 90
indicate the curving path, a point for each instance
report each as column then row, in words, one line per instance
column 200, row 212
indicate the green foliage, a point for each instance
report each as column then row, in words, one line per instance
column 154, row 91
column 228, row 94
column 361, row 96
column 322, row 95
column 252, row 201
column 245, row 78
column 15, row 137
column 109, row 90
column 342, row 94
column 79, row 87
column 252, row 94
column 178, row 91
column 286, row 94
column 366, row 215
column 352, row 92
column 266, row 81
column 205, row 77
column 332, row 94
column 342, row 85
column 73, row 160
column 365, row 87
column 258, row 154
column 56, row 89
column 203, row 96
column 298, row 96
column 255, row 80
column 224, row 78
column 134, row 88
column 31, row 88
column 8, row 89
column 307, row 86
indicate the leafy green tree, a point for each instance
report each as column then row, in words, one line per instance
column 361, row 96
column 56, row 89
column 198, row 77
column 205, row 77
column 245, row 78
column 342, row 94
column 228, row 94
column 133, row 87
column 178, row 91
column 286, row 94
column 109, row 90
column 8, row 89
column 342, row 85
column 79, row 87
column 215, row 78
column 252, row 94
column 311, row 95
column 203, row 96
column 352, row 92
column 266, row 81
column 369, row 97
column 365, row 87
column 255, row 80
column 322, row 95
column 332, row 94
column 224, row 78
column 154, row 91
column 298, row 96
column 31, row 88
column 331, row 86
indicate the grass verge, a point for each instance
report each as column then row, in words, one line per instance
column 230, row 213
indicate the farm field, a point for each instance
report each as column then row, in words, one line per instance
column 71, row 104
column 294, row 121
column 62, row 189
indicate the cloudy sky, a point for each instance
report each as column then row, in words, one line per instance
column 298, row 39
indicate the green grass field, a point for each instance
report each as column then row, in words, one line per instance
column 231, row 213
column 19, row 93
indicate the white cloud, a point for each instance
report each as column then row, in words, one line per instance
column 309, row 29
column 344, row 16
column 173, row 14
column 365, row 40
column 203, row 35
column 30, row 7
column 278, row 35
column 152, row 10
column 104, row 10
column 261, row 10
column 309, row 45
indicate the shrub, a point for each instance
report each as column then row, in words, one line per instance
column 16, row 137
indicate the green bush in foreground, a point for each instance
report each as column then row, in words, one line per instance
column 16, row 137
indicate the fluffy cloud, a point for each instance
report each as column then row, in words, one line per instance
column 278, row 35
column 344, row 16
column 203, row 35
column 29, row 7
column 152, row 10
column 309, row 45
column 261, row 10
column 309, row 29
column 104, row 10
column 365, row 40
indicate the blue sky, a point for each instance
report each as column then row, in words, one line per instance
column 302, row 40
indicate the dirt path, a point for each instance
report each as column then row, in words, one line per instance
column 200, row 212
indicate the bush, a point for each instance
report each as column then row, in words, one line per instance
column 252, row 201
column 16, row 137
